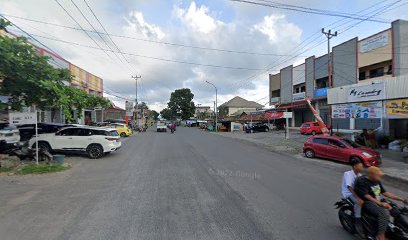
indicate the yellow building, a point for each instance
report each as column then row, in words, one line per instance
column 86, row 81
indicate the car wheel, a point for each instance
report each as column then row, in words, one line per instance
column 123, row 134
column 95, row 151
column 309, row 153
column 313, row 133
column 43, row 146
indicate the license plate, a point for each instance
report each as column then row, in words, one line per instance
column 8, row 134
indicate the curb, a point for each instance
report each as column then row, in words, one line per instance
column 400, row 183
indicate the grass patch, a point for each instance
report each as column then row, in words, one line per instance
column 41, row 169
column 6, row 169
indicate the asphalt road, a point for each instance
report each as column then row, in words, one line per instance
column 187, row 185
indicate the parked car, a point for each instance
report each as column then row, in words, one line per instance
column 123, row 129
column 311, row 128
column 340, row 149
column 257, row 128
column 161, row 126
column 9, row 135
column 94, row 141
column 28, row 130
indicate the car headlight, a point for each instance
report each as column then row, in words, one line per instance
column 367, row 154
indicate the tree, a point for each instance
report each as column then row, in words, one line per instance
column 181, row 104
column 153, row 114
column 28, row 78
column 167, row 114
column 222, row 111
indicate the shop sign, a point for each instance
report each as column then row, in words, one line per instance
column 358, row 110
column 19, row 118
column 374, row 42
column 397, row 108
column 287, row 115
column 320, row 92
column 366, row 92
column 129, row 108
column 273, row 115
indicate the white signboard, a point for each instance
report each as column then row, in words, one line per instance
column 366, row 92
column 287, row 115
column 299, row 96
column 374, row 42
column 19, row 118
column 129, row 108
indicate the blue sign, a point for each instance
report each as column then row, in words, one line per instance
column 321, row 92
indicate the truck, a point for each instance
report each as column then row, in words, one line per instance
column 161, row 126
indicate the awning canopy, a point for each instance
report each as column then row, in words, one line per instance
column 259, row 116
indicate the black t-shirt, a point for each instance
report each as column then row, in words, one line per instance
column 364, row 186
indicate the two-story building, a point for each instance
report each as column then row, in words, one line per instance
column 379, row 60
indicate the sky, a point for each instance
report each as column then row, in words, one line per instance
column 251, row 41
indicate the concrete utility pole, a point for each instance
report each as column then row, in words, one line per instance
column 216, row 102
column 136, row 104
column 329, row 36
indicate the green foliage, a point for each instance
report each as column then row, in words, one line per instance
column 28, row 78
column 223, row 111
column 153, row 114
column 4, row 24
column 167, row 114
column 41, row 169
column 181, row 104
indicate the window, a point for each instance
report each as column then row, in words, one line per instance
column 351, row 143
column 378, row 72
column 362, row 76
column 305, row 125
column 303, row 89
column 67, row 132
column 323, row 141
column 336, row 143
column 316, row 124
column 83, row 132
column 389, row 72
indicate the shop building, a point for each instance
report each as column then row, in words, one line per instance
column 355, row 63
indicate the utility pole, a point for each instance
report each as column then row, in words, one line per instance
column 216, row 103
column 329, row 36
column 136, row 103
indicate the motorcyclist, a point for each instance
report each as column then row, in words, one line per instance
column 172, row 127
column 347, row 190
column 370, row 189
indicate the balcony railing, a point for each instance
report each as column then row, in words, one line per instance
column 299, row 96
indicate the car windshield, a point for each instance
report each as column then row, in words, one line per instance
column 112, row 133
column 6, row 126
column 351, row 143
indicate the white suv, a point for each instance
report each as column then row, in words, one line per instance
column 94, row 141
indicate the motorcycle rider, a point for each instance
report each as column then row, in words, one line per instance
column 347, row 190
column 370, row 189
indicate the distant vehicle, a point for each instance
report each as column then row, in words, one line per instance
column 257, row 128
column 9, row 135
column 123, row 129
column 340, row 149
column 94, row 141
column 161, row 126
column 311, row 128
column 28, row 130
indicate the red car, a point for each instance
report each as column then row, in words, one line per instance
column 312, row 128
column 340, row 149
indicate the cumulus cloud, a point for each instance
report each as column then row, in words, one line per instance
column 197, row 18
column 277, row 28
column 137, row 23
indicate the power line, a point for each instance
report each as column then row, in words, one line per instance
column 152, row 41
column 304, row 10
column 82, row 29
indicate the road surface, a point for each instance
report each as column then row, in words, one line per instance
column 187, row 185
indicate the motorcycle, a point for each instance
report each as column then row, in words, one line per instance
column 25, row 153
column 172, row 130
column 397, row 227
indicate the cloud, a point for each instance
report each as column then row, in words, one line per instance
column 137, row 23
column 197, row 19
column 277, row 28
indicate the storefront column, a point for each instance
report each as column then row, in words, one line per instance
column 352, row 123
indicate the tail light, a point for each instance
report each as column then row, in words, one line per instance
column 111, row 139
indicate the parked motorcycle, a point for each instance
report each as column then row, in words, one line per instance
column 397, row 227
column 25, row 153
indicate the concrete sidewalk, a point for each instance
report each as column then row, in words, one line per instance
column 395, row 164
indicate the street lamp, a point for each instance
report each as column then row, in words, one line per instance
column 216, row 107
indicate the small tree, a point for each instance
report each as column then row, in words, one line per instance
column 181, row 103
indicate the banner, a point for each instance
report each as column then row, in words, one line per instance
column 358, row 110
column 19, row 118
column 397, row 108
column 363, row 93
column 374, row 42
column 129, row 108
column 273, row 115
